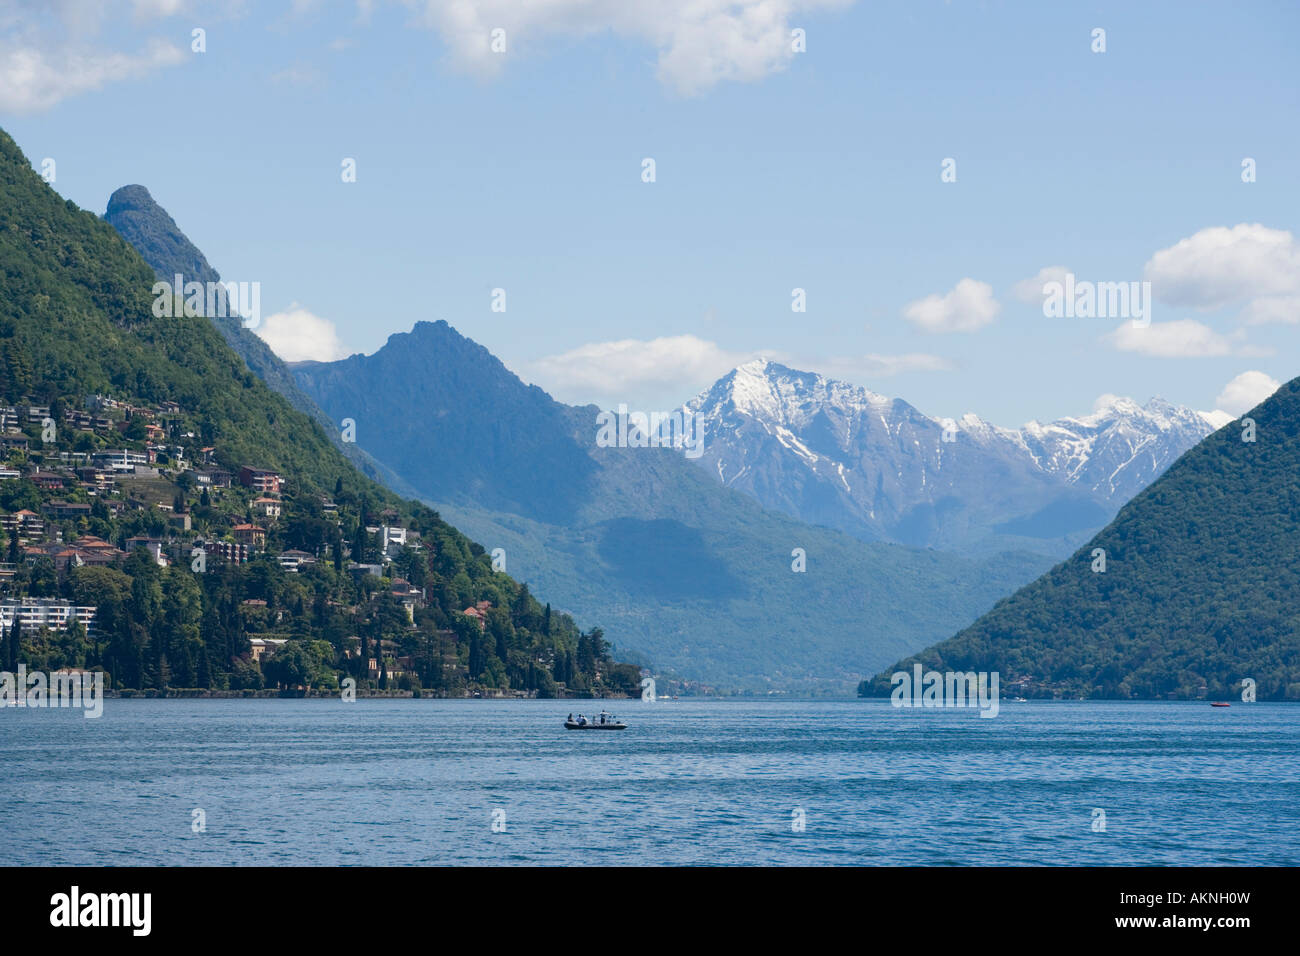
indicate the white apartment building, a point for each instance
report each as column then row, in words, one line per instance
column 119, row 459
column 34, row 613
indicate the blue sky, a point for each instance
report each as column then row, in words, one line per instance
column 774, row 170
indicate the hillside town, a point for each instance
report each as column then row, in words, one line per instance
column 299, row 590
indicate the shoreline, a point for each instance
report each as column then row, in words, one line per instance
column 189, row 694
column 176, row 693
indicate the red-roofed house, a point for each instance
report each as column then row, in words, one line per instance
column 479, row 613
column 250, row 534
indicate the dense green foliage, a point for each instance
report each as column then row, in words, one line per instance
column 76, row 320
column 1201, row 587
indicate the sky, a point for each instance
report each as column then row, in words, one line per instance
column 623, row 199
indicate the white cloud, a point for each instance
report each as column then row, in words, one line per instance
column 1183, row 338
column 1245, row 392
column 700, row 42
column 53, row 49
column 1030, row 290
column 32, row 79
column 1273, row 309
column 969, row 306
column 679, row 363
column 151, row 9
column 297, row 335
column 1219, row 266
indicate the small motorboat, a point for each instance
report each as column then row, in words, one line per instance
column 601, row 721
column 1219, row 703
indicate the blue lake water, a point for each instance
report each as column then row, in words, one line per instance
column 286, row 782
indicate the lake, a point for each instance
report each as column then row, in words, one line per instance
column 381, row 782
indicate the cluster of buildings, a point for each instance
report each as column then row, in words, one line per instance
column 87, row 550
column 106, row 418
column 107, row 481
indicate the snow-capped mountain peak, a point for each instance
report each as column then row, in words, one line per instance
column 834, row 453
column 778, row 394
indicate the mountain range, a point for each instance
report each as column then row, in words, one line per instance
column 1189, row 593
column 909, row 526
column 842, row 456
column 697, row 577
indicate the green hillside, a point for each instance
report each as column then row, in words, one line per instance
column 1201, row 587
column 85, row 367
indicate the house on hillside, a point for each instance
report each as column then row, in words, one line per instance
column 32, row 614
column 96, row 480
column 153, row 545
column 251, row 535
column 230, row 551
column 214, row 478
column 479, row 613
column 409, row 596
column 294, row 559
column 119, row 459
column 267, row 507
column 359, row 569
column 263, row 648
column 66, row 510
column 47, row 480
column 260, row 479
column 25, row 525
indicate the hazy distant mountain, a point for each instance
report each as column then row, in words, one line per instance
column 148, row 227
column 839, row 455
column 1197, row 592
column 695, row 576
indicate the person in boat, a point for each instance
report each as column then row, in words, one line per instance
column 582, row 721
column 570, row 718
